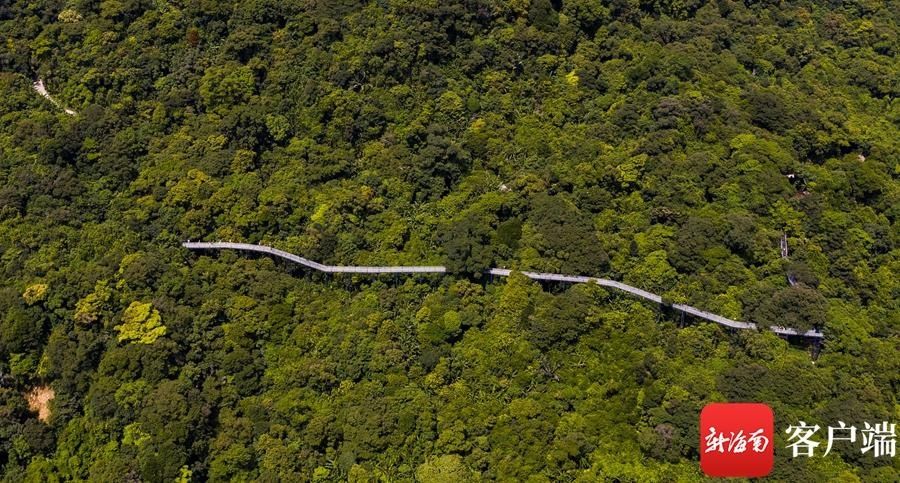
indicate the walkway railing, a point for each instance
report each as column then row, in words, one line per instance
column 501, row 272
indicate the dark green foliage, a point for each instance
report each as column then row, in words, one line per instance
column 800, row 307
column 509, row 232
column 666, row 143
column 740, row 235
column 468, row 245
column 696, row 236
column 767, row 110
column 566, row 236
column 800, row 272
column 562, row 321
column 542, row 15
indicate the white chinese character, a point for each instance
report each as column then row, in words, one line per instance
column 738, row 443
column 715, row 441
column 881, row 439
column 759, row 442
column 802, row 433
column 832, row 438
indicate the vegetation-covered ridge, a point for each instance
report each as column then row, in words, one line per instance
column 666, row 144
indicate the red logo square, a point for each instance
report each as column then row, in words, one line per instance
column 737, row 440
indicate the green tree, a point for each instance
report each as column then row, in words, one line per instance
column 566, row 236
column 444, row 469
column 468, row 244
column 141, row 324
column 226, row 85
column 799, row 307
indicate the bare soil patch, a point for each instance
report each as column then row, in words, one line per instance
column 39, row 398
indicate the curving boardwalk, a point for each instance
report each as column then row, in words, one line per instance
column 39, row 87
column 501, row 272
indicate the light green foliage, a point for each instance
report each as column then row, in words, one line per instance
column 653, row 272
column 141, row 324
column 69, row 15
column 444, row 469
column 185, row 475
column 21, row 364
column 227, row 84
column 89, row 308
column 35, row 293
column 278, row 126
column 133, row 435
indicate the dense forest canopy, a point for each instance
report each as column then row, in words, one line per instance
column 670, row 144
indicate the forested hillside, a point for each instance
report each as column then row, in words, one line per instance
column 669, row 144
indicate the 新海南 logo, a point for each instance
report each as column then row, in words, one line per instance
column 737, row 440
